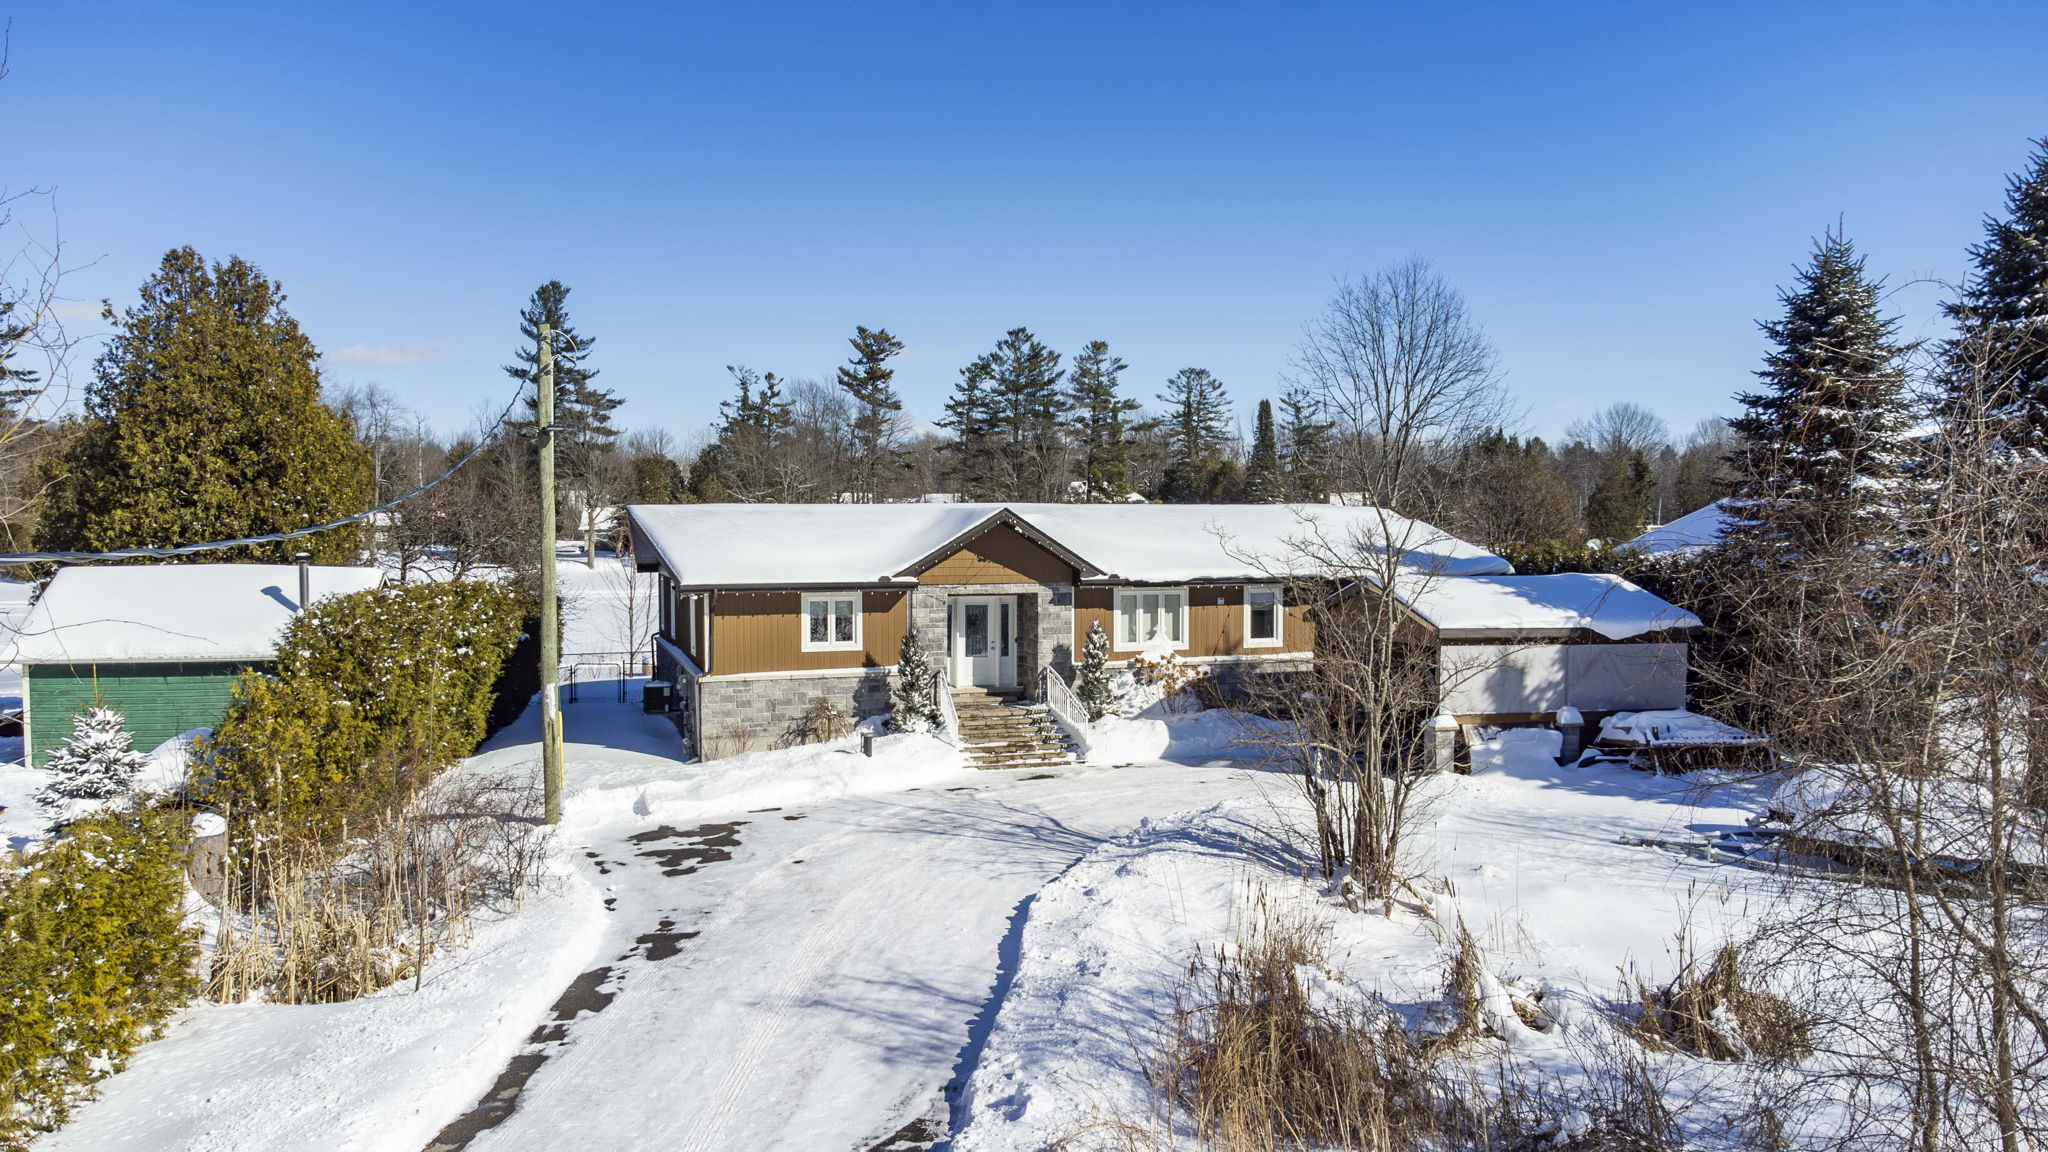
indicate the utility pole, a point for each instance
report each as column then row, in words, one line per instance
column 550, row 616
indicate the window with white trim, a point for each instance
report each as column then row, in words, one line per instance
column 1152, row 618
column 831, row 622
column 1263, row 617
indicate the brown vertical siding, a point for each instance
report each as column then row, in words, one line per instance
column 763, row 632
column 1213, row 629
column 1001, row 555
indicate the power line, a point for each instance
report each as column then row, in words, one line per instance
column 497, row 429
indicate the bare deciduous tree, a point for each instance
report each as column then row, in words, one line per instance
column 1408, row 378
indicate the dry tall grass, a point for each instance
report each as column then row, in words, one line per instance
column 1715, row 1010
column 302, row 924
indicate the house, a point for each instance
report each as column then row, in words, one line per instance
column 1517, row 649
column 767, row 608
column 159, row 643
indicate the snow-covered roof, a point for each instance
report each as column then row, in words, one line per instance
column 1691, row 532
column 172, row 612
column 1598, row 601
column 793, row 545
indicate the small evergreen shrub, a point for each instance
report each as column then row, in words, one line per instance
column 1092, row 686
column 98, row 763
column 94, row 957
column 911, row 708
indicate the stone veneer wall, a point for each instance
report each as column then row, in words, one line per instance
column 1045, row 625
column 746, row 714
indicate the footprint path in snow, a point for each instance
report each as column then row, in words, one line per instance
column 682, row 851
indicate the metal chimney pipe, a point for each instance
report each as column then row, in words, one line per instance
column 305, row 560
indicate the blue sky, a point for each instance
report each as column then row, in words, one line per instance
column 1619, row 189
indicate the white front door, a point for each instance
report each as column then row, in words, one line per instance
column 984, row 642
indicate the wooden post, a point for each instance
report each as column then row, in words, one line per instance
column 550, row 616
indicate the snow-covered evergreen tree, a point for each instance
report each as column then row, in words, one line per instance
column 2002, row 317
column 1820, row 444
column 98, row 762
column 1092, row 685
column 910, row 699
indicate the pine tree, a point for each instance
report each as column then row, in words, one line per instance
column 755, row 426
column 1305, row 445
column 2002, row 316
column 866, row 378
column 204, row 422
column 910, row 698
column 1100, row 427
column 1264, row 482
column 970, row 414
column 1012, row 397
column 1197, row 428
column 583, row 411
column 1820, row 443
column 1091, row 684
column 97, row 762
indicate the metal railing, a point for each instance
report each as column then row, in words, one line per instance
column 949, row 718
column 1066, row 708
column 593, row 667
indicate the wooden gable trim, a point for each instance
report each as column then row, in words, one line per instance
column 1004, row 517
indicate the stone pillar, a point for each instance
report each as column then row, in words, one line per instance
column 1572, row 726
column 1443, row 743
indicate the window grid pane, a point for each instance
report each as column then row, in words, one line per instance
column 842, row 621
column 818, row 629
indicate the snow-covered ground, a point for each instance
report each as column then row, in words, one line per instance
column 810, row 949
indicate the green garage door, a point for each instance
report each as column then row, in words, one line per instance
column 157, row 700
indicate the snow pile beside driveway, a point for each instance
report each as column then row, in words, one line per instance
column 1157, row 734
column 783, row 776
column 1952, row 818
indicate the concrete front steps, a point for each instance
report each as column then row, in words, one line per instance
column 996, row 731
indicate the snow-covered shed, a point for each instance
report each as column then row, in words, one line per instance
column 159, row 643
column 1523, row 647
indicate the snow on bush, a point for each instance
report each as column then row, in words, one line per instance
column 95, row 766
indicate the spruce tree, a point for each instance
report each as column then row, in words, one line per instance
column 97, row 762
column 910, row 697
column 1820, row 443
column 1100, row 427
column 1620, row 505
column 2002, row 316
column 1264, row 482
column 1091, row 684
column 1197, row 429
column 866, row 378
column 204, row 422
column 1305, row 445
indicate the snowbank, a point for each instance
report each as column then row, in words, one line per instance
column 1954, row 816
column 1516, row 745
column 383, row 1072
column 1159, row 734
column 772, row 779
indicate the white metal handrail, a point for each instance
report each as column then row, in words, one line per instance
column 1066, row 708
column 949, row 717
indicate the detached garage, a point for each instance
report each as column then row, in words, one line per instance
column 161, row 644
column 1519, row 648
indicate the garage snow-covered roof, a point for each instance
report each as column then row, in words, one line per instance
column 1597, row 601
column 1693, row 532
column 814, row 545
column 172, row 612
